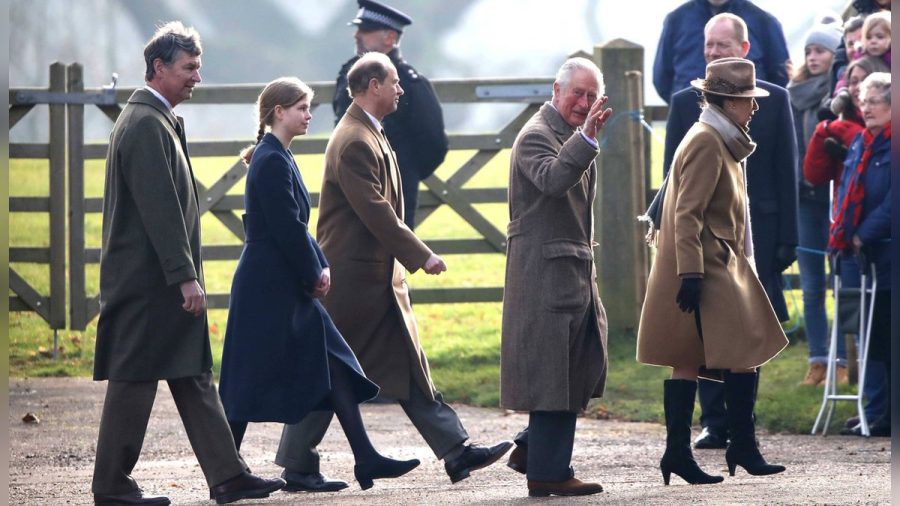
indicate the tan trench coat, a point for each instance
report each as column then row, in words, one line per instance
column 703, row 231
column 362, row 234
column 553, row 351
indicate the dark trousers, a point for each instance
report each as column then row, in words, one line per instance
column 549, row 438
column 712, row 404
column 123, row 424
column 435, row 420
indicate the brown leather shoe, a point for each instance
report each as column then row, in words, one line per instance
column 570, row 487
column 518, row 459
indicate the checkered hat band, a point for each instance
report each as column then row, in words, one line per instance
column 377, row 17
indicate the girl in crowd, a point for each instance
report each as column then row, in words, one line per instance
column 876, row 36
column 283, row 356
column 809, row 87
column 704, row 263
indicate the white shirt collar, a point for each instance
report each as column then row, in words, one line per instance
column 373, row 119
column 159, row 96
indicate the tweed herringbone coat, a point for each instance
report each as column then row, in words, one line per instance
column 361, row 232
column 151, row 244
column 703, row 231
column 553, row 349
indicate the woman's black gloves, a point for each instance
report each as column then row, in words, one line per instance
column 688, row 298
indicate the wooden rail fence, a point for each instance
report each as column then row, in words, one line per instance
column 623, row 191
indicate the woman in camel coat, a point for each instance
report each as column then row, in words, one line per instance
column 705, row 308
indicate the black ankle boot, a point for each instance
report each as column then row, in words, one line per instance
column 678, row 400
column 743, row 448
column 381, row 467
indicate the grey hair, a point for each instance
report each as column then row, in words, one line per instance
column 564, row 74
column 877, row 82
column 166, row 43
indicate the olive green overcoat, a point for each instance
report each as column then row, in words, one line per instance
column 361, row 232
column 150, row 245
column 553, row 349
column 703, row 231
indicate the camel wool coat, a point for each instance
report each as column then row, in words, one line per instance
column 703, row 232
column 553, row 349
column 361, row 232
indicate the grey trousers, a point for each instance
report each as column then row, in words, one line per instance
column 123, row 424
column 436, row 421
column 550, row 438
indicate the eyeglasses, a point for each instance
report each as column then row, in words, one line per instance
column 872, row 101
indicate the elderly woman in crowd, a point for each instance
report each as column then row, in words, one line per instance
column 705, row 264
column 861, row 230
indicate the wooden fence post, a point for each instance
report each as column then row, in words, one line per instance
column 57, row 203
column 77, row 288
column 621, row 257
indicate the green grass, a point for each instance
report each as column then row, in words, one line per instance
column 462, row 341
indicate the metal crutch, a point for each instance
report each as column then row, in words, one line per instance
column 830, row 395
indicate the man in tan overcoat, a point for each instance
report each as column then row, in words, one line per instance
column 362, row 233
column 553, row 353
column 152, row 322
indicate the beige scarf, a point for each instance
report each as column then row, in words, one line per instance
column 740, row 146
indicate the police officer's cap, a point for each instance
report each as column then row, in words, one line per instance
column 374, row 15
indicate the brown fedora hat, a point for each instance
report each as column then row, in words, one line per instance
column 730, row 77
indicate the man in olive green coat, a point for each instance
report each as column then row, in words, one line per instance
column 369, row 247
column 553, row 351
column 152, row 322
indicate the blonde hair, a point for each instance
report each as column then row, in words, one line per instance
column 284, row 92
column 878, row 19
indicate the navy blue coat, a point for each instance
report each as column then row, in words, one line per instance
column 679, row 54
column 275, row 360
column 874, row 227
column 771, row 177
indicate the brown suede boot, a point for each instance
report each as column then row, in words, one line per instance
column 570, row 487
column 815, row 375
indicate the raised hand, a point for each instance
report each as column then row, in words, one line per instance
column 596, row 118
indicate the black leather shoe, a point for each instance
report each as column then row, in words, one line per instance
column 710, row 440
column 473, row 458
column 310, row 482
column 245, row 486
column 381, row 467
column 518, row 459
column 876, row 429
column 135, row 497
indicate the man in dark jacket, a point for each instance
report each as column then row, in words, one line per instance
column 416, row 130
column 152, row 303
column 771, row 185
column 679, row 55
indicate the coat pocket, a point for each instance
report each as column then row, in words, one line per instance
column 565, row 275
column 725, row 238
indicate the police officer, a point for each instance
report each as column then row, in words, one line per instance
column 416, row 129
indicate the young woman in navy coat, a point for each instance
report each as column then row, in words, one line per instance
column 283, row 356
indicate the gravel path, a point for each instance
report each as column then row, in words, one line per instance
column 51, row 461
